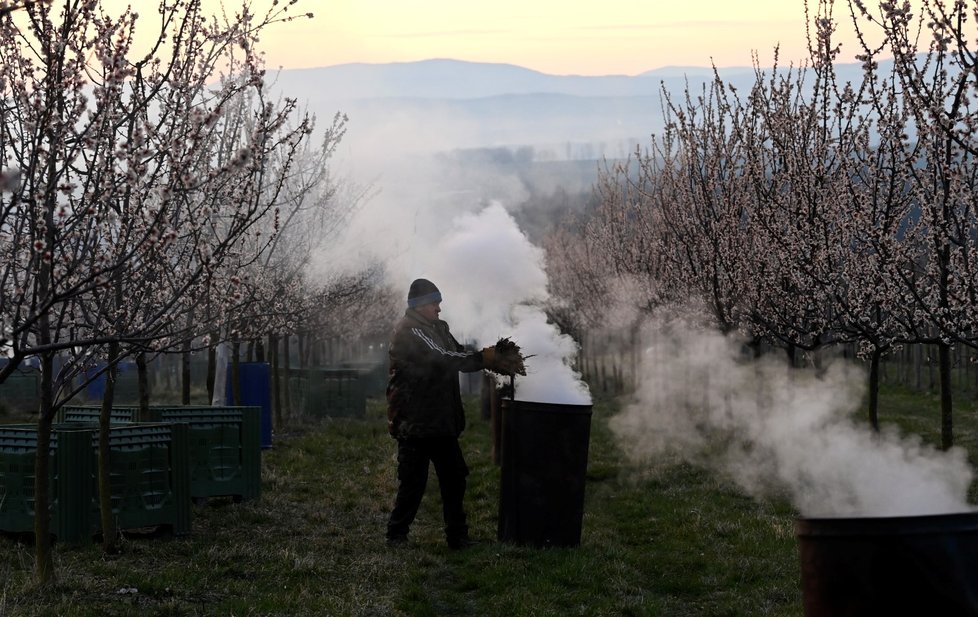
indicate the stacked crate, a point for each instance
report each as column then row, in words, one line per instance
column 225, row 449
column 148, row 469
column 335, row 392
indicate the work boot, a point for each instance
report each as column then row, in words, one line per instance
column 397, row 541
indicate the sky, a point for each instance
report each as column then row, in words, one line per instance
column 610, row 37
column 553, row 36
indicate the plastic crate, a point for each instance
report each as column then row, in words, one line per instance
column 373, row 377
column 225, row 444
column 18, row 444
column 20, row 390
column 148, row 470
column 90, row 413
column 337, row 392
column 225, row 449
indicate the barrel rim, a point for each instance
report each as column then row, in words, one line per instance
column 826, row 526
column 547, row 407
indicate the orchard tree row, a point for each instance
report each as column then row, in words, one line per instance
column 154, row 198
column 808, row 211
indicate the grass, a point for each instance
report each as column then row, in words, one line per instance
column 668, row 539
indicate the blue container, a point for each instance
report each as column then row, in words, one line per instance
column 126, row 388
column 256, row 391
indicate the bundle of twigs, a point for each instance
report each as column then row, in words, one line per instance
column 509, row 360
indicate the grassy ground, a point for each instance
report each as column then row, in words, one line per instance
column 669, row 540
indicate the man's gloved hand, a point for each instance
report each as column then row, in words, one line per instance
column 504, row 358
column 489, row 358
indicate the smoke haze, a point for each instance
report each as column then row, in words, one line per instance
column 768, row 428
column 776, row 430
column 494, row 284
column 491, row 276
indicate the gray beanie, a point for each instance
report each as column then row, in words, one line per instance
column 422, row 292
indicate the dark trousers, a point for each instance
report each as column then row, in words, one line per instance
column 413, row 456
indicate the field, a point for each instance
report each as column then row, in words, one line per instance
column 667, row 539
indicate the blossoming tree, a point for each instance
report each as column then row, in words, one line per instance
column 126, row 206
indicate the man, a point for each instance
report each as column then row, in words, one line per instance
column 425, row 415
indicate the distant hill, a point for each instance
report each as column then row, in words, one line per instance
column 455, row 79
column 438, row 137
column 447, row 104
column 439, row 104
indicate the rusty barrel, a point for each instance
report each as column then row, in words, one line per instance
column 904, row 565
column 544, row 450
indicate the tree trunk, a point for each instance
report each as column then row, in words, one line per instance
column 43, row 560
column 142, row 375
column 276, row 378
column 962, row 375
column 932, row 386
column 110, row 543
column 185, row 356
column 287, row 388
column 874, row 390
column 211, row 366
column 918, row 367
column 947, row 432
column 185, row 373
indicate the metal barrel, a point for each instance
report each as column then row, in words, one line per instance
column 908, row 565
column 544, row 454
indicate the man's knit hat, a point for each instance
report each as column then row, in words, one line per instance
column 422, row 292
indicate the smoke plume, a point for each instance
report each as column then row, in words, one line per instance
column 494, row 285
column 491, row 277
column 777, row 430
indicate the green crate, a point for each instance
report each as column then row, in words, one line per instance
column 148, row 470
column 335, row 393
column 373, row 376
column 225, row 444
column 20, row 390
column 91, row 413
column 225, row 449
column 17, row 459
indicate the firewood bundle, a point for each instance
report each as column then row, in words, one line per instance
column 508, row 359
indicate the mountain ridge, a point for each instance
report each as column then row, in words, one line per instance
column 442, row 104
column 449, row 78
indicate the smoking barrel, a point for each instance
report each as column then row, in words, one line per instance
column 901, row 565
column 544, row 453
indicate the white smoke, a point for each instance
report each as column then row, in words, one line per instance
column 491, row 277
column 493, row 285
column 775, row 430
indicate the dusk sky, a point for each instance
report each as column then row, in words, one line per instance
column 585, row 38
column 553, row 36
